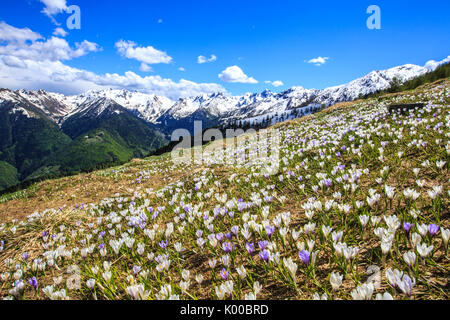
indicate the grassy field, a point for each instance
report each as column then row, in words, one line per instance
column 358, row 209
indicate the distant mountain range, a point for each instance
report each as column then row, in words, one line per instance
column 44, row 134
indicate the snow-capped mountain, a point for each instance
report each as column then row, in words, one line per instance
column 94, row 108
column 374, row 81
column 50, row 104
column 167, row 114
column 146, row 106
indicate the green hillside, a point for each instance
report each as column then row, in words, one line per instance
column 37, row 148
column 25, row 142
column 8, row 175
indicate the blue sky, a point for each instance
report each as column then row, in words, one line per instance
column 266, row 40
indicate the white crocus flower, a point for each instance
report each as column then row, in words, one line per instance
column 390, row 191
column 250, row 296
column 415, row 239
column 394, row 277
column 242, row 272
column 199, row 278
column 424, row 250
column 363, row 292
column 384, row 296
column 410, row 258
column 291, row 266
column 445, row 233
column 256, row 288
column 423, row 229
column 364, row 219
column 336, row 280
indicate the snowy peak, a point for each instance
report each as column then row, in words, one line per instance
column 146, row 106
column 94, row 107
column 216, row 104
column 372, row 82
column 54, row 105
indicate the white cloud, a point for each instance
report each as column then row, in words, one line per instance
column 56, row 76
column 26, row 44
column 276, row 83
column 203, row 59
column 11, row 34
column 160, row 21
column 53, row 7
column 432, row 65
column 27, row 61
column 319, row 61
column 145, row 68
column 236, row 75
column 60, row 32
column 181, row 69
column 148, row 55
column 52, row 49
column 14, row 62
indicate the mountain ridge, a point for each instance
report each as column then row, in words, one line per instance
column 156, row 109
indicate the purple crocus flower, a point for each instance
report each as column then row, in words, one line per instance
column 163, row 244
column 407, row 226
column 433, row 229
column 227, row 247
column 33, row 282
column 136, row 270
column 25, row 256
column 327, row 183
column 219, row 236
column 101, row 246
column 250, row 248
column 263, row 244
column 270, row 230
column 235, row 230
column 406, row 285
column 228, row 235
column 264, row 255
column 224, row 274
column 304, row 256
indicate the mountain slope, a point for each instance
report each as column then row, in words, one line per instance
column 32, row 145
column 27, row 136
column 105, row 133
column 8, row 175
